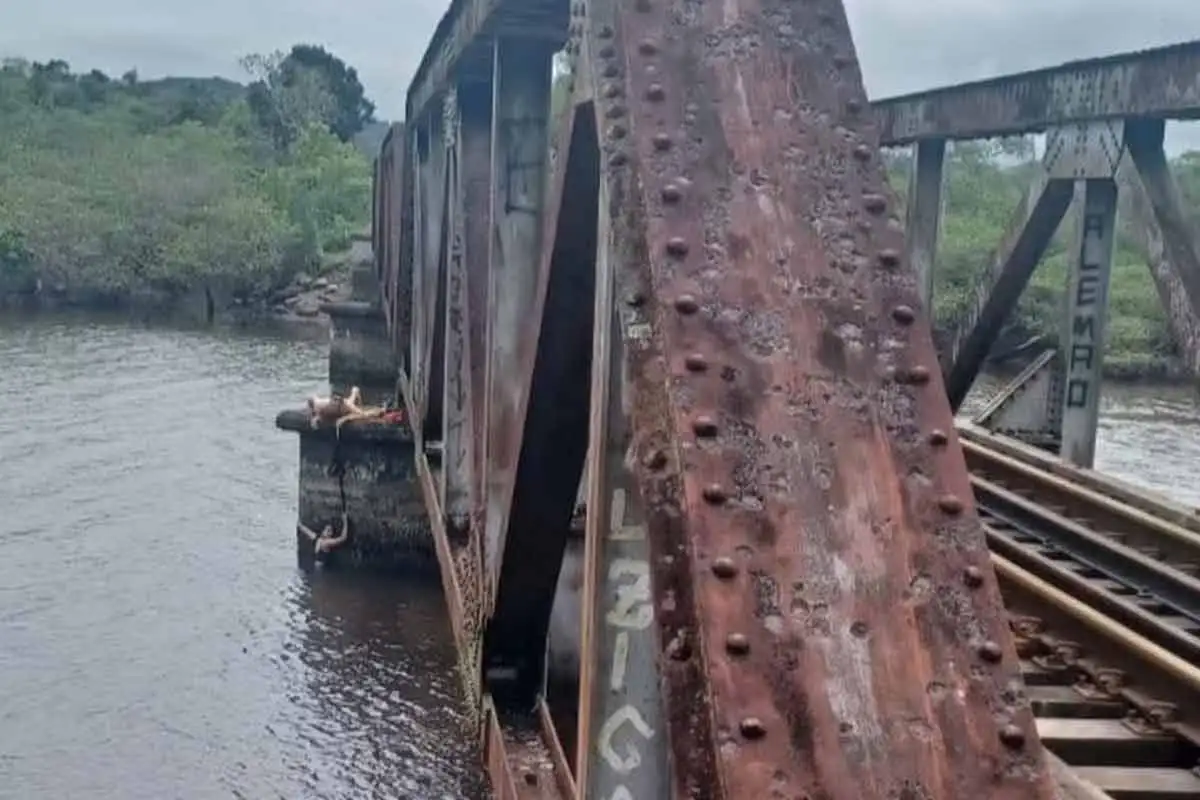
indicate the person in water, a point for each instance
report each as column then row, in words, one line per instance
column 325, row 541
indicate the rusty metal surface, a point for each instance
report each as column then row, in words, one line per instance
column 809, row 514
column 462, row 42
column 1030, row 230
column 397, row 277
column 1167, row 236
column 546, row 429
column 1163, row 82
column 476, row 165
column 622, row 743
column 517, row 276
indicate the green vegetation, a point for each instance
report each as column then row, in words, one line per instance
column 117, row 188
column 984, row 185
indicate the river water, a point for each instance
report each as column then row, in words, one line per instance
column 156, row 638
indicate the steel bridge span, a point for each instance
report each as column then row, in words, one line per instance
column 703, row 516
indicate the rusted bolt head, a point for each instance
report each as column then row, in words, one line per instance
column 531, row 778
column 655, row 459
column 662, row 141
column 655, row 92
column 889, row 257
column 854, row 105
column 991, row 652
column 950, row 504
column 607, row 51
column 610, row 71
column 618, row 159
column 705, row 426
column 938, row 437
column 715, row 494
column 671, row 193
column 647, row 47
column 874, row 203
column 917, row 375
column 605, row 32
column 863, row 153
column 904, row 314
column 616, row 132
column 859, row 628
column 611, row 91
column 615, row 111
column 679, row 648
column 687, row 304
column 635, row 299
column 841, row 60
column 1012, row 736
column 724, row 568
column 695, row 362
column 677, row 247
column 752, row 728
column 737, row 644
column 973, row 577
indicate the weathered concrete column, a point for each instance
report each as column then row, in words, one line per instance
column 1087, row 316
column 360, row 350
column 372, row 467
column 925, row 214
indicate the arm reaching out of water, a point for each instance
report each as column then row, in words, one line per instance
column 307, row 531
column 328, row 542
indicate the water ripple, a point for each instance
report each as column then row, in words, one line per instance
column 156, row 639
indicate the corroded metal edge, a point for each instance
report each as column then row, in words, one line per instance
column 811, row 521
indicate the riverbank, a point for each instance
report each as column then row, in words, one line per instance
column 298, row 302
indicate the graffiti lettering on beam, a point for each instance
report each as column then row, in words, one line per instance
column 628, row 740
column 1089, row 295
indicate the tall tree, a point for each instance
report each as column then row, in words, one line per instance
column 307, row 85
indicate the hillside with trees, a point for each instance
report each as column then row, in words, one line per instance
column 119, row 190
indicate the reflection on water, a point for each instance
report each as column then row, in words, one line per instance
column 156, row 638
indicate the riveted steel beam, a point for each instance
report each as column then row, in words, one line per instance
column 1159, row 83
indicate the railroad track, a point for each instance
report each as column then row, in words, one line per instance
column 1104, row 595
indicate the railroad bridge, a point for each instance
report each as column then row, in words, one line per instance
column 703, row 514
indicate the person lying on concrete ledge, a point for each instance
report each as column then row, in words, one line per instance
column 325, row 541
column 333, row 408
column 340, row 410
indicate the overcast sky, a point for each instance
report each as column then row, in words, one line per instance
column 904, row 45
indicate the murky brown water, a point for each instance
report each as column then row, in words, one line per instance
column 156, row 638
column 1149, row 436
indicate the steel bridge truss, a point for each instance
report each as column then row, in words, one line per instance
column 684, row 300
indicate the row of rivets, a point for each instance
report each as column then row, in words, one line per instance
column 723, row 567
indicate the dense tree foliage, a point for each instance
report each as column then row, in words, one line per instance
column 984, row 185
column 118, row 186
column 308, row 85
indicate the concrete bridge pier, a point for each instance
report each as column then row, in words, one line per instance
column 360, row 346
column 371, row 467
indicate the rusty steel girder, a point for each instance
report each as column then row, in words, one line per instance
column 786, row 591
column 1159, row 83
column 828, row 622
